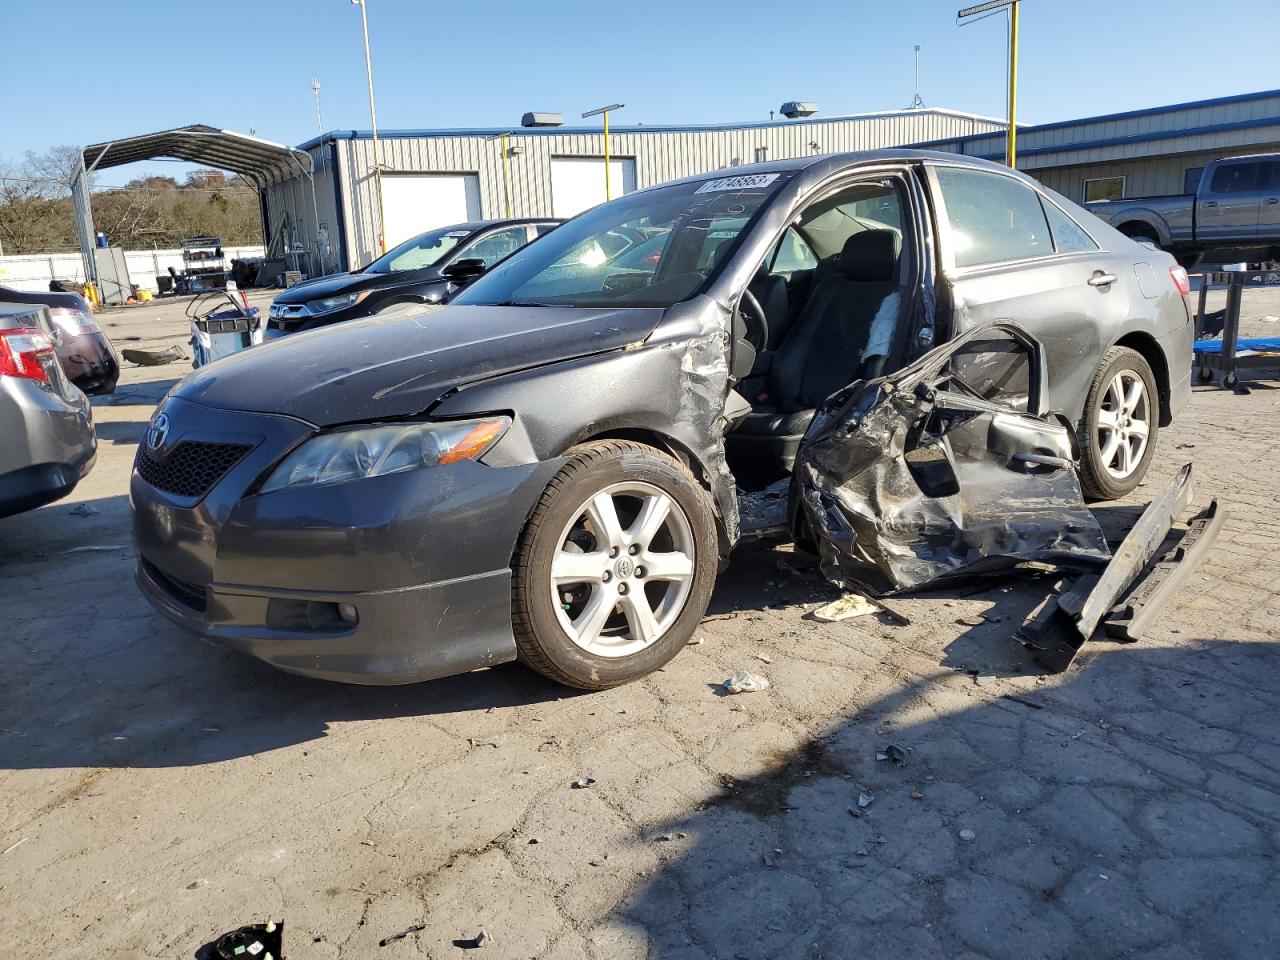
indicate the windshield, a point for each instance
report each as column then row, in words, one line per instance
column 421, row 251
column 648, row 249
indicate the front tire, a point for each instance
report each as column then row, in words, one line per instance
column 1117, row 436
column 615, row 567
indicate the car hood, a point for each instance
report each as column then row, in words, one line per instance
column 396, row 366
column 341, row 283
column 328, row 287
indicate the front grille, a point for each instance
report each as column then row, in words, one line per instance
column 191, row 468
column 186, row 593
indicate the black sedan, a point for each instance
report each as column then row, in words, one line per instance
column 84, row 352
column 428, row 268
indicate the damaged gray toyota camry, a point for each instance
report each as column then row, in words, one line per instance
column 928, row 354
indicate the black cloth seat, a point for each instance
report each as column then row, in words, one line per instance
column 823, row 350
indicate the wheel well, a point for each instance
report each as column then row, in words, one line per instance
column 1146, row 345
column 674, row 448
column 1136, row 228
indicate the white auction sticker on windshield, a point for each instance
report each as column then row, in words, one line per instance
column 458, row 233
column 749, row 181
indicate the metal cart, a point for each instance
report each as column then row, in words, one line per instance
column 1223, row 355
column 221, row 325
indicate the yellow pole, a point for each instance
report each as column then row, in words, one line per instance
column 506, row 175
column 607, row 195
column 1011, row 144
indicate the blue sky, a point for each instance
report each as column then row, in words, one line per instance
column 91, row 70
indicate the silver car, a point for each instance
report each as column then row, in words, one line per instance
column 45, row 421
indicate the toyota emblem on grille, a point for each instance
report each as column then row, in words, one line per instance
column 158, row 432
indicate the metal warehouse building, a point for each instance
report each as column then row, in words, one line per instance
column 1139, row 153
column 432, row 178
column 436, row 177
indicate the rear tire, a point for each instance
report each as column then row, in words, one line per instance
column 1117, row 435
column 585, row 610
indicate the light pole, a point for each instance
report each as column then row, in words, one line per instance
column 315, row 90
column 962, row 17
column 373, row 119
column 604, row 112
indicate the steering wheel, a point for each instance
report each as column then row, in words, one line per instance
column 753, row 317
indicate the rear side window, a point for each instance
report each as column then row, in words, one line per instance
column 1068, row 236
column 1236, row 178
column 993, row 218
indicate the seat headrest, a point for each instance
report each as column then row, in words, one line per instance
column 871, row 255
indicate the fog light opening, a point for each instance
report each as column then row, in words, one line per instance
column 348, row 612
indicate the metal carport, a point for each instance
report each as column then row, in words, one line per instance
column 259, row 161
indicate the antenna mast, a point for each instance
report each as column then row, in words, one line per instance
column 917, row 102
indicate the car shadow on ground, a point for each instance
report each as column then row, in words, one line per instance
column 1083, row 820
column 121, row 432
column 144, row 394
column 96, row 678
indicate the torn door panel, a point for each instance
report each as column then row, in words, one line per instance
column 946, row 469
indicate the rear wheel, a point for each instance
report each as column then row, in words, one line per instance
column 1121, row 419
column 615, row 568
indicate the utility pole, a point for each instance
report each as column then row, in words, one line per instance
column 315, row 90
column 373, row 120
column 963, row 17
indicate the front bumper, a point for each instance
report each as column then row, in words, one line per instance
column 422, row 558
column 401, row 636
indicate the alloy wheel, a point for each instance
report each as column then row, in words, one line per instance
column 623, row 569
column 1124, row 424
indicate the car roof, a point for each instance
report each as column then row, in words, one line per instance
column 850, row 159
column 474, row 225
column 47, row 297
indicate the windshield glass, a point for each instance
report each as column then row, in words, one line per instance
column 421, row 251
column 648, row 249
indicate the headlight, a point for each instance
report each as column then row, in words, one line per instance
column 329, row 304
column 360, row 452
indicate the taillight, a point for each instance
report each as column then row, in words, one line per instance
column 72, row 322
column 24, row 351
column 1181, row 280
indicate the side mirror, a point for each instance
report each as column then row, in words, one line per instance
column 464, row 271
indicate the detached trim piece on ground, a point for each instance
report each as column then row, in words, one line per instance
column 1067, row 621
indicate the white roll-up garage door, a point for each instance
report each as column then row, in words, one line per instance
column 417, row 202
column 577, row 183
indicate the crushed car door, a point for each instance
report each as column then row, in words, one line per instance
column 948, row 467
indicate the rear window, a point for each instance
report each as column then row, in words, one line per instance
column 1068, row 236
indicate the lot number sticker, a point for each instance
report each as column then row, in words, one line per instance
column 749, row 182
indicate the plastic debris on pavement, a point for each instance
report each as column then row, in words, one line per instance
column 407, row 932
column 847, row 607
column 255, row 941
column 744, row 681
column 154, row 358
column 473, row 943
